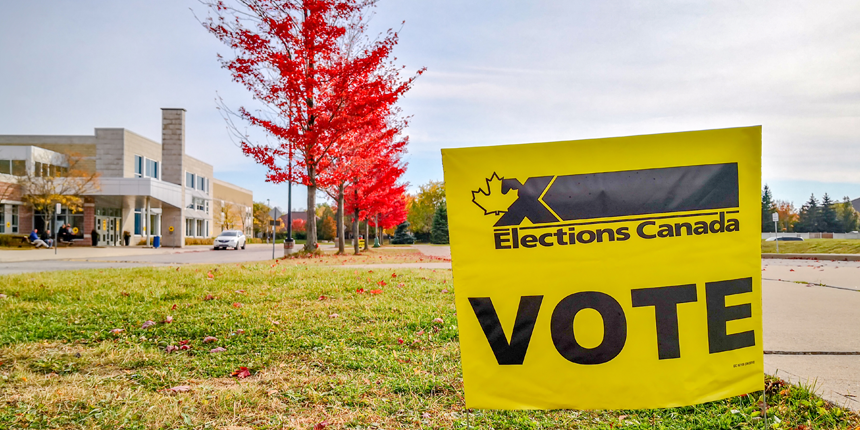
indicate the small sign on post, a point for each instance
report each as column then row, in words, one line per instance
column 776, row 230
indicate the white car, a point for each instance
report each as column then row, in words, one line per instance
column 230, row 239
column 784, row 239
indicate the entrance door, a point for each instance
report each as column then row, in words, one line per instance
column 108, row 229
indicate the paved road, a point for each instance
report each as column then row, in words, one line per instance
column 103, row 258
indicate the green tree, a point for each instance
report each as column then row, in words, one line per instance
column 808, row 219
column 261, row 218
column 402, row 235
column 828, row 222
column 326, row 226
column 849, row 218
column 768, row 207
column 422, row 208
column 440, row 225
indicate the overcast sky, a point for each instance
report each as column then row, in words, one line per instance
column 498, row 72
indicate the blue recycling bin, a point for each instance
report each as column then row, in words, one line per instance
column 156, row 242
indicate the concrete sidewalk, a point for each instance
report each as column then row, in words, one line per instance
column 88, row 252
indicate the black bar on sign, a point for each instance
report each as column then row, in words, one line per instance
column 639, row 192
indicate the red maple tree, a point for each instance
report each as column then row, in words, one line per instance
column 323, row 82
column 374, row 193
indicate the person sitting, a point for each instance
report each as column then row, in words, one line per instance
column 47, row 239
column 65, row 235
column 35, row 241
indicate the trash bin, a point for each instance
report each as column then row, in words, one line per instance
column 156, row 242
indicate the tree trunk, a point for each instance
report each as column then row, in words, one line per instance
column 355, row 231
column 338, row 217
column 367, row 234
column 311, row 225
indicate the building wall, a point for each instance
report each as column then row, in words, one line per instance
column 236, row 198
column 136, row 144
column 83, row 146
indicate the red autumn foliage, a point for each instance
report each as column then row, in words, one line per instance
column 329, row 91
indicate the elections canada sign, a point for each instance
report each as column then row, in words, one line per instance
column 608, row 273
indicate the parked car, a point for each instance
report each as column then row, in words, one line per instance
column 784, row 239
column 230, row 239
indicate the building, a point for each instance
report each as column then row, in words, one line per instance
column 233, row 208
column 146, row 188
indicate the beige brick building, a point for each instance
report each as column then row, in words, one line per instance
column 147, row 188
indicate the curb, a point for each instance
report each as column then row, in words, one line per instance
column 832, row 257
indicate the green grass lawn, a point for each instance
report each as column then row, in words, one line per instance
column 814, row 246
column 317, row 349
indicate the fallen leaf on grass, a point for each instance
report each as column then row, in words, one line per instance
column 184, row 342
column 322, row 298
column 168, row 320
column 178, row 389
column 375, row 291
column 208, row 339
column 117, row 331
column 401, row 285
column 321, row 426
column 209, row 297
column 333, row 316
column 400, row 340
column 393, row 275
column 241, row 373
column 210, row 275
column 173, row 308
column 147, row 324
column 240, row 331
column 171, row 348
column 217, row 350
column 237, row 305
column 381, row 283
column 420, row 332
column 439, row 321
column 444, row 291
column 124, row 294
column 185, row 347
column 360, row 290
column 240, row 291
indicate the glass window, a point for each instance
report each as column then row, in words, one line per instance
column 138, row 166
column 38, row 170
column 19, row 167
column 190, row 227
column 14, row 218
column 151, row 169
column 189, row 180
column 137, row 220
column 200, row 204
column 2, row 218
column 201, row 183
column 6, row 167
column 200, row 230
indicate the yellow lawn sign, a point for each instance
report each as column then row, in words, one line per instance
column 617, row 273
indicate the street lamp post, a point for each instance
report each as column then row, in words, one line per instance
column 289, row 242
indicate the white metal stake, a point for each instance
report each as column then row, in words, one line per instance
column 776, row 230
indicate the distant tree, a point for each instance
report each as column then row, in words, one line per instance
column 66, row 185
column 828, row 221
column 423, row 207
column 787, row 215
column 768, row 207
column 439, row 234
column 261, row 218
column 232, row 217
column 849, row 218
column 402, row 235
column 808, row 219
column 327, row 228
